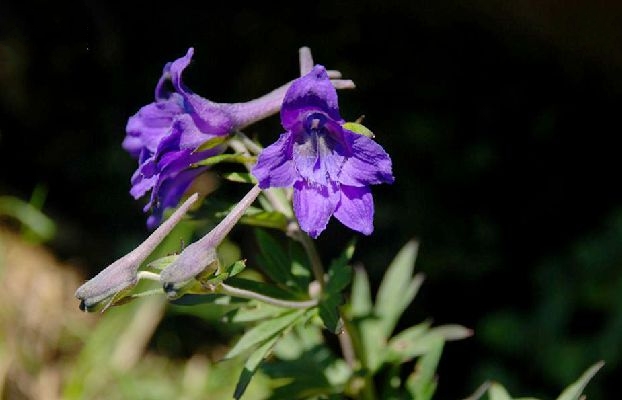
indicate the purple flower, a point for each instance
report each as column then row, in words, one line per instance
column 329, row 167
column 164, row 136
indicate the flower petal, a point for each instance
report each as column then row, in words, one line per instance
column 356, row 209
column 313, row 206
column 319, row 153
column 150, row 124
column 275, row 167
column 173, row 71
column 169, row 193
column 312, row 92
column 368, row 165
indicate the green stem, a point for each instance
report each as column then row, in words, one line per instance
column 247, row 294
column 368, row 390
column 314, row 257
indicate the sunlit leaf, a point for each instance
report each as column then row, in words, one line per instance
column 264, row 331
column 498, row 392
column 315, row 373
column 265, row 219
column 361, row 304
column 30, row 216
column 250, row 367
column 410, row 343
column 422, row 383
column 574, row 391
column 452, row 332
column 398, row 288
column 253, row 311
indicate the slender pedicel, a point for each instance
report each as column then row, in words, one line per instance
column 122, row 274
column 202, row 254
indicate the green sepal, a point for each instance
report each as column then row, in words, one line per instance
column 359, row 129
column 226, row 157
column 211, row 143
column 240, row 177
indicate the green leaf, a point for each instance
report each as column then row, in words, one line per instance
column 410, row 343
column 274, row 261
column 264, row 331
column 361, row 304
column 340, row 273
column 226, row 157
column 300, row 266
column 211, row 143
column 498, row 392
column 398, row 288
column 253, row 311
column 162, row 262
column 422, row 383
column 34, row 220
column 451, row 332
column 236, row 267
column 339, row 276
column 359, row 128
column 329, row 313
column 574, row 391
column 265, row 219
column 316, row 373
column 368, row 331
column 391, row 387
column 240, row 177
column 250, row 367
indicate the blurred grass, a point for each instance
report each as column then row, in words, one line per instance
column 50, row 350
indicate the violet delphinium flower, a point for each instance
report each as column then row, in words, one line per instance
column 164, row 136
column 329, row 167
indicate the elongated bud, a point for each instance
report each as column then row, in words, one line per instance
column 121, row 275
column 201, row 255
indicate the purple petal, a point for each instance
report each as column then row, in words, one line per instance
column 150, row 124
column 368, row 165
column 313, row 206
column 209, row 117
column 319, row 154
column 172, row 71
column 312, row 92
column 141, row 184
column 170, row 193
column 275, row 167
column 356, row 209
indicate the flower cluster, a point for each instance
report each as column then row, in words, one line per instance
column 329, row 166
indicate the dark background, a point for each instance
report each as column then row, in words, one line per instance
column 501, row 119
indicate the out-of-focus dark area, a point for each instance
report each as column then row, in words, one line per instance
column 501, row 118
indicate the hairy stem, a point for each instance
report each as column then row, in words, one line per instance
column 247, row 294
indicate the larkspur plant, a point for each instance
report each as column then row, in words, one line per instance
column 322, row 166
